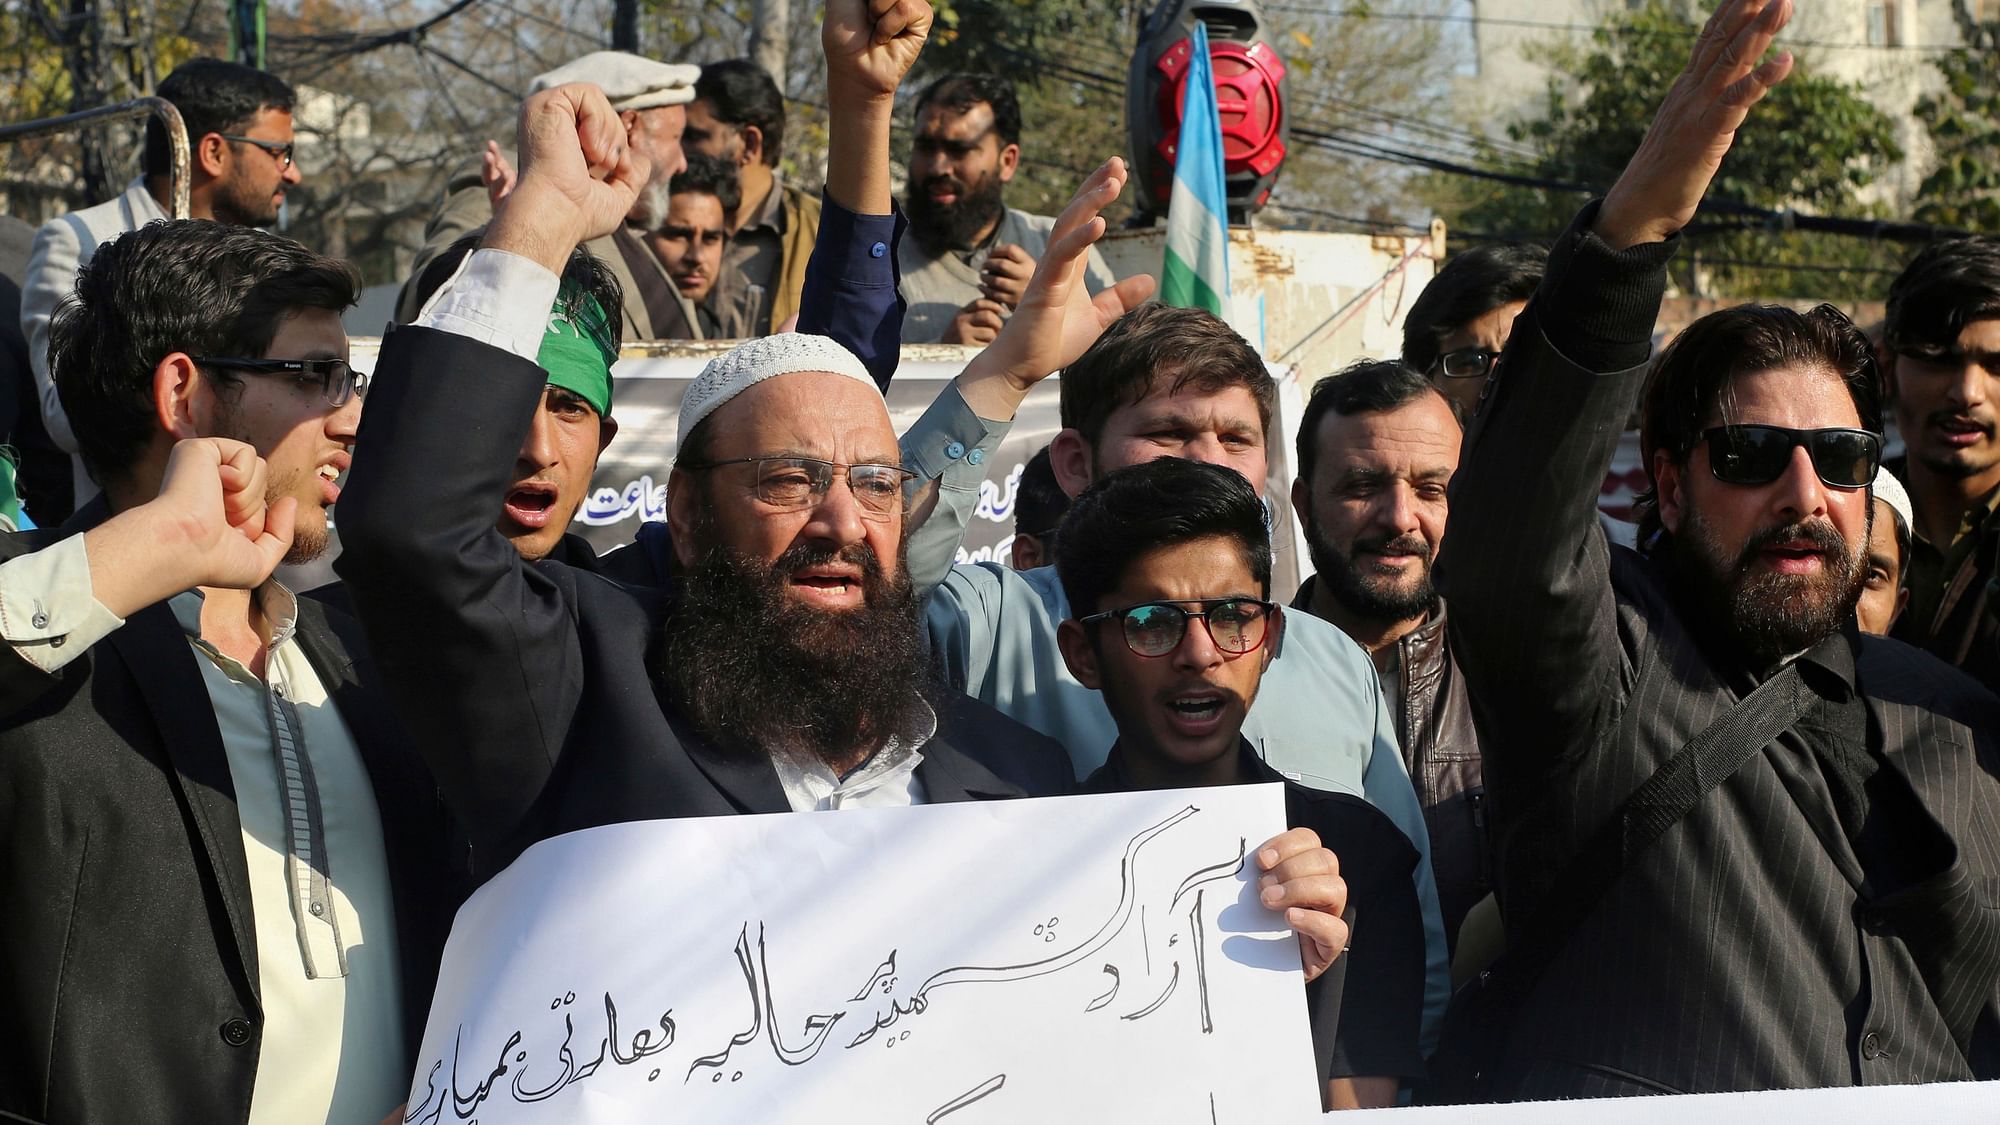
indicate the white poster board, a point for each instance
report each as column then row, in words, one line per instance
column 1068, row 959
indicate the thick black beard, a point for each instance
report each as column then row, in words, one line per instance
column 1368, row 602
column 954, row 226
column 759, row 673
column 1766, row 618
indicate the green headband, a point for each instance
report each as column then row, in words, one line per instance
column 577, row 351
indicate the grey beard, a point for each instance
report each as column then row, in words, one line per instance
column 758, row 673
column 649, row 211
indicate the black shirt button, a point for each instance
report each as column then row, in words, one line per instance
column 1871, row 1046
column 236, row 1032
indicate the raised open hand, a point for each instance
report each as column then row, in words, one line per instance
column 496, row 172
column 871, row 44
column 1661, row 187
column 1057, row 318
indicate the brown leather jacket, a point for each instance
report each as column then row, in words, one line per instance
column 1434, row 727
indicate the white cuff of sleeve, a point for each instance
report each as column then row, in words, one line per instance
column 497, row 298
column 47, row 613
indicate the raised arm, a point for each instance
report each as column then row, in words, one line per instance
column 478, row 649
column 1056, row 321
column 209, row 526
column 850, row 291
column 1525, row 566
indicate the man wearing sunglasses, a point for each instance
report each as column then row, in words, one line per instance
column 239, row 128
column 1942, row 344
column 231, row 868
column 1743, row 845
column 1167, row 565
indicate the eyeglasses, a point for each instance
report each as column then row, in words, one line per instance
column 1237, row 625
column 1465, row 363
column 282, row 153
column 1842, row 458
column 791, row 484
column 336, row 379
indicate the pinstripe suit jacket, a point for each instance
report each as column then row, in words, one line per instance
column 1745, row 949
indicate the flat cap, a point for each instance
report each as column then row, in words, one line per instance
column 629, row 81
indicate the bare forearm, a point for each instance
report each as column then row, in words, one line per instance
column 857, row 167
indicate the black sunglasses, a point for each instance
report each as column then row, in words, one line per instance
column 1750, row 454
column 336, row 379
column 1237, row 625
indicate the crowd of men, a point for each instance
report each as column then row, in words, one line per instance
column 1661, row 802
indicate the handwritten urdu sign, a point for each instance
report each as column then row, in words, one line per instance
column 1068, row 959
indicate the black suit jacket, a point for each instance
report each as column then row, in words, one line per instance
column 1744, row 949
column 128, row 988
column 527, row 685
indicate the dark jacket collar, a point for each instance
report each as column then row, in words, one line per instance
column 751, row 781
column 1113, row 777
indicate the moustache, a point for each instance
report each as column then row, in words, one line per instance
column 800, row 556
column 1401, row 545
column 948, row 183
column 1817, row 532
column 1961, row 417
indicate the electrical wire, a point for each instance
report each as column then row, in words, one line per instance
column 1573, row 28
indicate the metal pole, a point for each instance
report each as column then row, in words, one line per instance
column 177, row 138
column 771, row 37
column 625, row 26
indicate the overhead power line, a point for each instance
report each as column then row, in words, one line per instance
column 1368, row 147
column 1574, row 28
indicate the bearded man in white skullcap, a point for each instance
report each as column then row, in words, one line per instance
column 798, row 631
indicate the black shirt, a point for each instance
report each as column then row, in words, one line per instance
column 1365, row 1009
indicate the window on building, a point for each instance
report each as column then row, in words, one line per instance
column 1882, row 23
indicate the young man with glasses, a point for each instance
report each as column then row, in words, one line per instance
column 232, row 868
column 1942, row 344
column 239, row 129
column 1167, row 565
column 1459, row 323
column 1743, row 846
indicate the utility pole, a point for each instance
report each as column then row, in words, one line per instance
column 84, row 57
column 771, row 37
column 246, row 32
column 625, row 26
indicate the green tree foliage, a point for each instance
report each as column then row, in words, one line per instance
column 1812, row 145
column 1963, row 118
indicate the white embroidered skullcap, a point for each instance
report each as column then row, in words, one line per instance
column 752, row 362
column 629, row 81
column 1890, row 490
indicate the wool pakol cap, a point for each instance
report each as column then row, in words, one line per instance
column 750, row 363
column 1891, row 491
column 628, row 81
